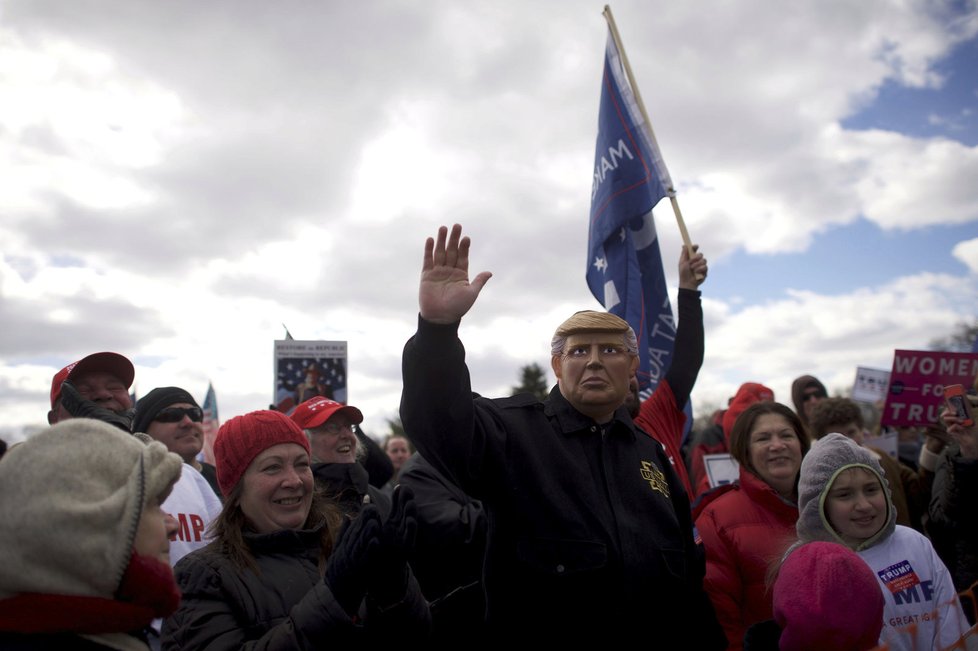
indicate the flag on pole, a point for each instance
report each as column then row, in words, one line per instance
column 624, row 267
column 211, row 423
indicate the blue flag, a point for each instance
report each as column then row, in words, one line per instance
column 624, row 267
column 211, row 424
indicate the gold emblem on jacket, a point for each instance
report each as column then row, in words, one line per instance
column 655, row 478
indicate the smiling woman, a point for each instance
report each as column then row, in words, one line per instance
column 276, row 572
column 746, row 526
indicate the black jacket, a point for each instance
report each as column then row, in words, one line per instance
column 450, row 549
column 952, row 512
column 285, row 605
column 589, row 528
column 51, row 641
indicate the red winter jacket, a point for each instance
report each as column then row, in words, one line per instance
column 745, row 527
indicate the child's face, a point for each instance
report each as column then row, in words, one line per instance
column 856, row 505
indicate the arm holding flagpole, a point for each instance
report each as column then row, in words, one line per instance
column 648, row 128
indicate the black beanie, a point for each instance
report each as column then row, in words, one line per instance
column 156, row 401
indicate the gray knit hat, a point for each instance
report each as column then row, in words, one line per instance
column 828, row 457
column 71, row 498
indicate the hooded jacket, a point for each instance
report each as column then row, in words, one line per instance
column 67, row 537
column 828, row 457
column 922, row 610
column 798, row 388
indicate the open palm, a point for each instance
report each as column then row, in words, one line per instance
column 446, row 294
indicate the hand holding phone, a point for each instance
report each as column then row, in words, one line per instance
column 959, row 405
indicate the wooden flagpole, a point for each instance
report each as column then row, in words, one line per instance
column 648, row 124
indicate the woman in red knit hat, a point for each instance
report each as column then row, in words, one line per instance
column 277, row 574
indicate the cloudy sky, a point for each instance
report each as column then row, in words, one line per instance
column 178, row 179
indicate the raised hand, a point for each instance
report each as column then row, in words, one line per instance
column 446, row 294
column 692, row 269
column 966, row 436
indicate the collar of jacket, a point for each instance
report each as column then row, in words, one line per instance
column 572, row 421
column 338, row 477
column 40, row 613
column 285, row 540
column 764, row 494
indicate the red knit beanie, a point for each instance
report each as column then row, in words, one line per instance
column 243, row 438
column 747, row 394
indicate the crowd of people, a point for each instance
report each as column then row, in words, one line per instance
column 587, row 515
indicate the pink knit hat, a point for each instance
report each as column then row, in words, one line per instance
column 243, row 438
column 827, row 597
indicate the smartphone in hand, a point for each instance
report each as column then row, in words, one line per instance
column 958, row 403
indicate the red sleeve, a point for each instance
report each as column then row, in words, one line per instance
column 661, row 419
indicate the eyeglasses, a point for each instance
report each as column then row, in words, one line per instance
column 176, row 414
column 336, row 428
column 805, row 397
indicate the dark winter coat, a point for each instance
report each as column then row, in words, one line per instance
column 450, row 550
column 952, row 509
column 590, row 532
column 285, row 604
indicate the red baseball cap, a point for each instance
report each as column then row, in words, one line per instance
column 113, row 363
column 316, row 411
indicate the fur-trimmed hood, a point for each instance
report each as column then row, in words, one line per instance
column 828, row 457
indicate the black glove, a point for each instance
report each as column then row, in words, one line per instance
column 80, row 407
column 387, row 574
column 347, row 565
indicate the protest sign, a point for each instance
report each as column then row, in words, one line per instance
column 916, row 393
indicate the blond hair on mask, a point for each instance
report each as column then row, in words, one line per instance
column 587, row 321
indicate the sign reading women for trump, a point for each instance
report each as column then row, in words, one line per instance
column 916, row 392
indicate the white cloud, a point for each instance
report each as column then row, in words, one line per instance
column 183, row 179
column 967, row 252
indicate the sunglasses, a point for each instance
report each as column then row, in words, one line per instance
column 808, row 395
column 176, row 414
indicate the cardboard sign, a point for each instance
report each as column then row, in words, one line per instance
column 916, row 393
column 721, row 469
column 306, row 369
column 870, row 385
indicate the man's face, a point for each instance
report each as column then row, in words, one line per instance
column 398, row 451
column 102, row 388
column 185, row 436
column 594, row 372
column 334, row 441
column 851, row 430
column 810, row 397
